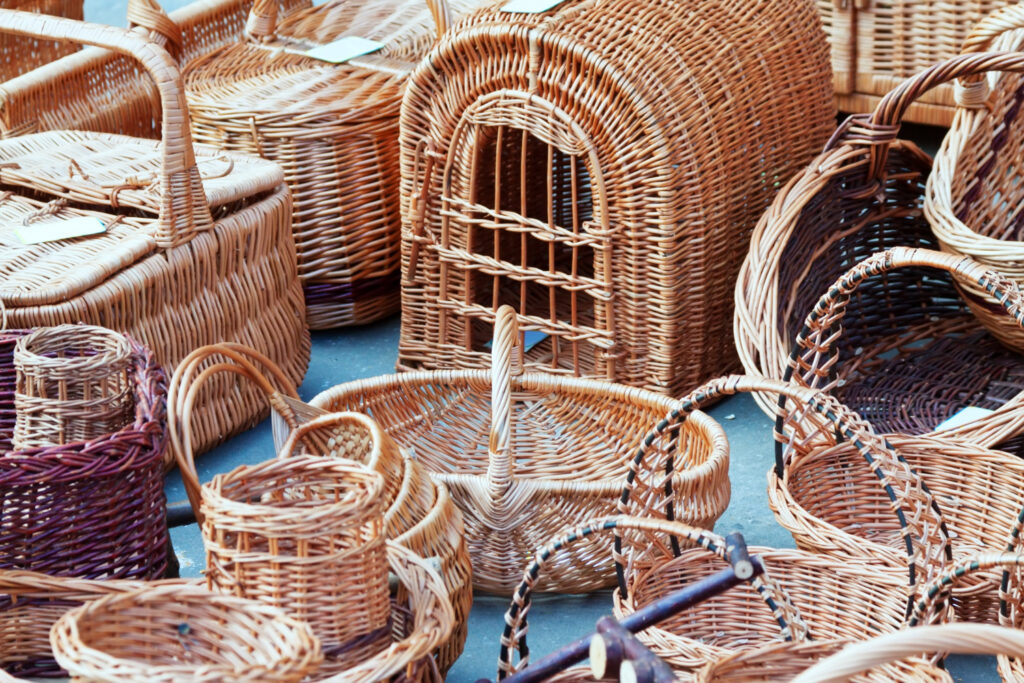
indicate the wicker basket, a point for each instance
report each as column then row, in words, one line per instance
column 594, row 166
column 21, row 54
column 339, row 119
column 197, row 246
column 93, row 509
column 971, row 199
column 525, row 453
column 182, row 633
column 420, row 514
column 878, row 43
column 906, row 336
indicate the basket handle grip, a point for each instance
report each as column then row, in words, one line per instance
column 192, row 373
column 262, row 21
column 151, row 16
column 513, row 638
column 184, row 210
column 963, row 638
column 500, row 469
column 989, row 29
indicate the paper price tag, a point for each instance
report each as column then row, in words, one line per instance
column 344, row 49
column 530, row 6
column 968, row 414
column 51, row 231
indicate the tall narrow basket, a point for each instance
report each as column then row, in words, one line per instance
column 195, row 246
column 523, row 453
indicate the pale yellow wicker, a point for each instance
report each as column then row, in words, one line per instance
column 973, row 197
column 878, row 43
column 524, row 453
column 197, row 246
column 19, row 54
column 599, row 167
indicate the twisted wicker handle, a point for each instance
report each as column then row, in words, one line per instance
column 184, row 210
column 500, row 469
column 891, row 647
column 151, row 16
column 937, row 590
column 262, row 22
column 192, row 373
column 513, row 637
column 992, row 27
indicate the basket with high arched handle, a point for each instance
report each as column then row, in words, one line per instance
column 420, row 513
column 267, row 96
column 910, row 330
column 193, row 244
column 523, row 453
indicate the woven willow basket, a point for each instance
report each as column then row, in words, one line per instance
column 594, row 166
column 972, row 199
column 420, row 513
column 523, row 453
column 197, row 246
column 878, row 43
column 339, row 119
column 19, row 54
column 909, row 354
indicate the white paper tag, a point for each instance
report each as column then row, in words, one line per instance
column 968, row 414
column 344, row 49
column 51, row 231
column 530, row 6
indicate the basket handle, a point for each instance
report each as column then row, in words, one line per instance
column 813, row 358
column 192, row 373
column 184, row 210
column 513, row 637
column 922, row 526
column 262, row 21
column 162, row 29
column 934, row 593
column 500, row 468
column 992, row 27
column 964, row 638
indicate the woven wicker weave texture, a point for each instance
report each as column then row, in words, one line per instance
column 598, row 166
column 19, row 54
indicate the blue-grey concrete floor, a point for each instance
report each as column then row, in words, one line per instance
column 342, row 355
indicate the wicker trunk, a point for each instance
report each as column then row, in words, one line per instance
column 599, row 167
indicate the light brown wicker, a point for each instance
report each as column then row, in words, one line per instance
column 878, row 43
column 523, row 453
column 333, row 129
column 972, row 199
column 197, row 247
column 420, row 514
column 20, row 54
column 599, row 167
column 107, row 92
column 182, row 633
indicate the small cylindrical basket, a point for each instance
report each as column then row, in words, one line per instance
column 73, row 384
column 305, row 534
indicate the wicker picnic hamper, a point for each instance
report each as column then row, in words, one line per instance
column 524, row 453
column 197, row 246
column 420, row 514
column 599, row 166
column 971, row 199
column 92, row 509
column 878, row 43
column 108, row 92
column 333, row 128
column 19, row 54
column 909, row 354
column 182, row 633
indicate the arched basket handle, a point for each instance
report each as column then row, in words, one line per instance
column 151, row 16
column 500, row 468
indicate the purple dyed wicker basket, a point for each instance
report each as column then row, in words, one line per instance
column 92, row 509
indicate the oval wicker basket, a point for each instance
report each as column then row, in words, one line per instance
column 420, row 513
column 525, row 453
column 971, row 199
column 92, row 509
column 196, row 244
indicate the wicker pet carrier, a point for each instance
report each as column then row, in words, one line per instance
column 92, row 509
column 420, row 513
column 19, row 54
column 878, row 43
column 333, row 128
column 108, row 92
column 523, row 453
column 972, row 199
column 599, row 166
column 195, row 247
column 909, row 354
